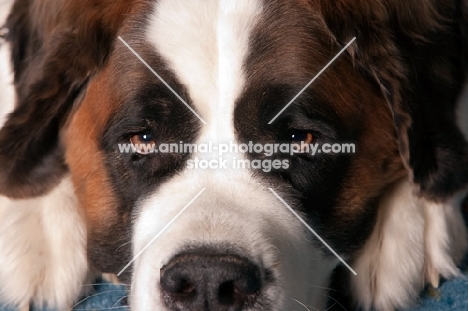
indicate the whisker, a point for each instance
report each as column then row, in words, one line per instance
column 129, row 242
column 330, row 306
column 305, row 305
column 336, row 302
column 114, row 307
column 95, row 295
column 115, row 304
column 330, row 289
column 326, row 288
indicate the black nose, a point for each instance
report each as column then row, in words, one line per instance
column 210, row 282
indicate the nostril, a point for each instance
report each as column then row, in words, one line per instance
column 227, row 292
column 186, row 287
column 196, row 281
column 244, row 289
column 174, row 283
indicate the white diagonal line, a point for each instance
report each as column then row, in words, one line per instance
column 162, row 80
column 312, row 81
column 161, row 232
column 313, row 231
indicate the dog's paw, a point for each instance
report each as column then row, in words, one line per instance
column 445, row 240
column 414, row 242
column 43, row 250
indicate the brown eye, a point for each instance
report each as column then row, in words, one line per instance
column 301, row 140
column 143, row 143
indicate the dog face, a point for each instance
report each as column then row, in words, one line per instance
column 237, row 96
column 235, row 246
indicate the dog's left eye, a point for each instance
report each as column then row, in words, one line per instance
column 143, row 143
column 302, row 139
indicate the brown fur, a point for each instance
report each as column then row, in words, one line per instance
column 350, row 99
column 53, row 64
column 397, row 101
column 89, row 174
column 48, row 34
column 391, row 38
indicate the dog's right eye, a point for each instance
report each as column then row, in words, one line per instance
column 143, row 143
column 302, row 138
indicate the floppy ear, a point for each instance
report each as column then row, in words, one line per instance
column 50, row 74
column 412, row 50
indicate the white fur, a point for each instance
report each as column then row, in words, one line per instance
column 241, row 213
column 43, row 249
column 414, row 241
column 205, row 44
column 42, row 240
column 445, row 238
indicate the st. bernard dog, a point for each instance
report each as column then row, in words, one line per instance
column 89, row 76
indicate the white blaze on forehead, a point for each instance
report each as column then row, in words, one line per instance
column 206, row 43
